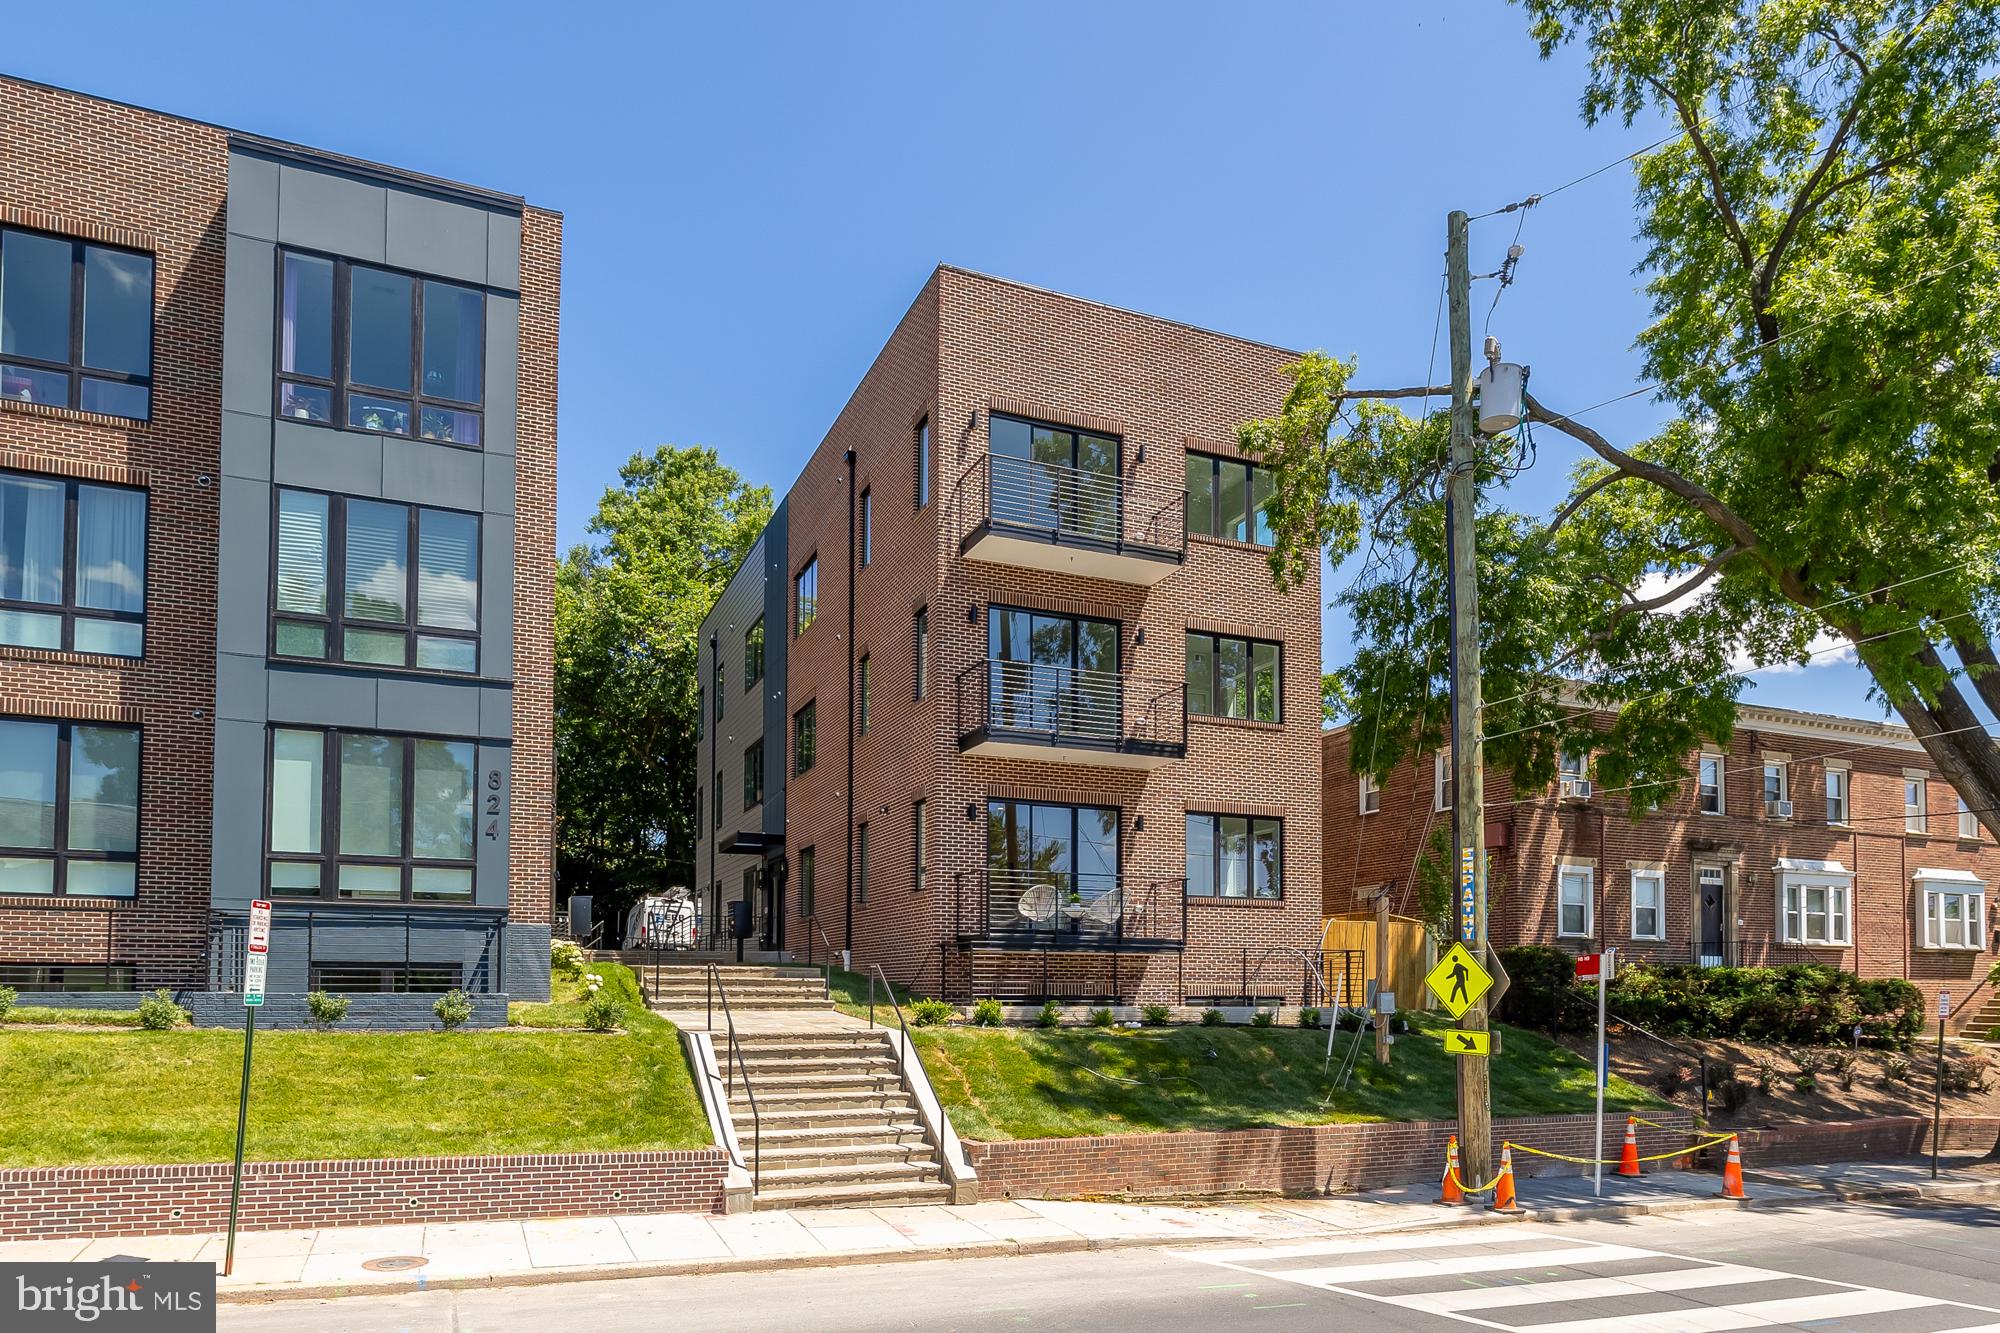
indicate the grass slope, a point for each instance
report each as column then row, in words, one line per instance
column 90, row 1098
column 1008, row 1083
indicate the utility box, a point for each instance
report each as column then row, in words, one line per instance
column 739, row 920
column 580, row 915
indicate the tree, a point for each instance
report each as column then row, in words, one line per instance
column 628, row 611
column 1823, row 256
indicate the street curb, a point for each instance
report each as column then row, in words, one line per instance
column 1006, row 1249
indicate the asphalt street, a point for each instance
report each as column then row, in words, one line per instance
column 1847, row 1269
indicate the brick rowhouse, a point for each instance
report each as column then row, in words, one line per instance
column 1792, row 844
column 1079, row 562
column 201, row 423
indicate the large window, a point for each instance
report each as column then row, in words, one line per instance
column 1952, row 909
column 69, row 809
column 805, row 597
column 753, row 654
column 1052, row 673
column 1232, row 677
column 805, row 737
column 377, row 350
column 1235, row 856
column 1228, row 498
column 344, row 584
column 1813, row 909
column 753, row 775
column 1068, row 851
column 1050, row 477
column 368, row 818
column 72, row 565
column 1649, row 905
column 76, row 324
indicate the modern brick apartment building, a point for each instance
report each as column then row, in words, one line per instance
column 1023, row 573
column 1808, row 838
column 277, row 486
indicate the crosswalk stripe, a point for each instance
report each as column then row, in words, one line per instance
column 1587, row 1289
column 1754, row 1314
column 1428, row 1240
column 1392, row 1270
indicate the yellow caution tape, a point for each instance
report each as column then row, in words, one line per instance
column 1614, row 1161
column 1451, row 1173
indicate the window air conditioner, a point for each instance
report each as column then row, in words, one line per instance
column 1576, row 789
column 1778, row 809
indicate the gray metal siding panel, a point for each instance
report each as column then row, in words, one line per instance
column 427, row 707
column 323, row 211
column 253, row 197
column 348, row 462
column 237, row 866
column 246, row 445
column 490, row 876
column 436, row 236
column 496, row 597
column 503, row 372
column 243, row 568
column 503, row 251
column 444, row 475
column 248, row 314
column 323, row 696
column 240, row 685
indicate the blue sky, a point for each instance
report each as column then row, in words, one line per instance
column 753, row 193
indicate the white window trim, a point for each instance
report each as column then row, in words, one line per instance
column 1828, row 875
column 1574, row 784
column 1941, row 884
column 1441, row 781
column 1840, row 766
column 1368, row 788
column 1968, row 823
column 1589, row 873
column 1721, row 783
column 1658, row 875
column 1783, row 763
column 1916, row 818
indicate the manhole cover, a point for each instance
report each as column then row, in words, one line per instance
column 395, row 1263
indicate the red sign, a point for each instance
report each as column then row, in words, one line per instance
column 1588, row 965
column 260, row 926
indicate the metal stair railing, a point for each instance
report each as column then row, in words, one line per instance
column 732, row 1066
column 826, row 966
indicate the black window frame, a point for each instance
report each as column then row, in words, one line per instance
column 861, row 862
column 1215, row 462
column 808, row 865
column 864, row 554
column 920, row 471
column 753, row 774
column 805, row 738
column 67, row 609
column 339, row 386
column 74, row 370
column 1250, row 645
column 920, row 651
column 801, row 621
column 60, row 852
column 488, row 801
column 864, row 691
column 335, row 620
column 753, row 654
column 1214, row 893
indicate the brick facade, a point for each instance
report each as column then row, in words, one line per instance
column 1530, row 835
column 45, row 1203
column 970, row 346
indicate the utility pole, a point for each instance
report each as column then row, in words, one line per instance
column 1475, row 1106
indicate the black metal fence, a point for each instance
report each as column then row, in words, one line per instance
column 366, row 949
column 1048, row 704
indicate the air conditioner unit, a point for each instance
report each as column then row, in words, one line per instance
column 1576, row 789
column 1778, row 809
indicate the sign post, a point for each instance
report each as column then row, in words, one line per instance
column 256, row 959
column 1600, row 966
column 1937, row 1090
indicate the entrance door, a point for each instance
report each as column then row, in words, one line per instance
column 1710, row 949
column 773, row 878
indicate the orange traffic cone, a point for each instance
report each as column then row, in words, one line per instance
column 1451, row 1190
column 1503, row 1185
column 1732, row 1172
column 1628, row 1159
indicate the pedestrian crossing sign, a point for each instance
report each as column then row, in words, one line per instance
column 1458, row 1041
column 1458, row 981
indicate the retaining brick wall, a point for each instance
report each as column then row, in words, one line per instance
column 48, row 1202
column 1318, row 1159
column 1876, row 1139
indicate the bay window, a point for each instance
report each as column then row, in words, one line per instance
column 1951, row 909
column 69, row 809
column 72, row 565
column 1815, row 903
column 376, row 350
column 344, row 585
column 76, row 324
column 360, row 817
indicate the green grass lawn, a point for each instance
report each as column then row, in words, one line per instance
column 1009, row 1083
column 70, row 1098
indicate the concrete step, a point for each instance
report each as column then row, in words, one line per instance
column 850, row 1196
column 738, row 1004
column 800, row 1157
column 825, row 1037
column 857, row 1173
column 824, row 1105
column 831, row 1062
column 800, row 1046
column 831, row 1080
column 881, row 1133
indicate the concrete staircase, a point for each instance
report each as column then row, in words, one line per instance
column 1986, row 1017
column 838, row 1128
column 752, row 989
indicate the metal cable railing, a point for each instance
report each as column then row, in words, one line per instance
column 1057, row 703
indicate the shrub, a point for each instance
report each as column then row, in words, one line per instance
column 1992, row 1033
column 1672, row 1079
column 453, row 1008
column 1720, row 1071
column 1895, row 1069
column 1733, row 1094
column 601, row 1013
column 566, row 958
column 986, row 1014
column 931, row 1013
column 1844, row 1065
column 1264, row 1018
column 1051, row 1015
column 1805, row 1083
column 1211, row 1018
column 1102, row 1018
column 1808, row 1061
column 158, row 1012
column 1158, row 1015
column 326, row 1010
column 7, row 998
column 1967, row 1074
column 1767, row 1075
column 1541, row 989
column 1308, row 1018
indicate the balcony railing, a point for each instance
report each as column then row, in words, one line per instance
column 1062, row 909
column 1070, row 714
column 1022, row 511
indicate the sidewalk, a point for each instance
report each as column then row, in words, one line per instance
column 285, row 1265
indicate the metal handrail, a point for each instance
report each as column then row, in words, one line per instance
column 1045, row 699
column 1076, row 502
column 731, row 1066
column 826, row 967
column 875, row 974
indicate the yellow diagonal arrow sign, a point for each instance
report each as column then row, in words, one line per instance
column 1459, row 1041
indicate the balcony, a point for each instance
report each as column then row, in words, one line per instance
column 1069, row 715
column 1065, row 910
column 1042, row 515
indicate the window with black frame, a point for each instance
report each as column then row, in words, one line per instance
column 72, row 565
column 361, row 817
column 345, row 588
column 753, row 775
column 379, row 350
column 1228, row 498
column 1052, row 674
column 1232, row 677
column 753, row 654
column 1051, row 477
column 1235, row 856
column 69, row 809
column 76, row 324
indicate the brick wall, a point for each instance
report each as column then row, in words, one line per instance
column 1299, row 1160
column 44, row 1203
column 1875, row 1140
column 79, row 167
column 1530, row 834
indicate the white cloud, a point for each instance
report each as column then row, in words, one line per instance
column 1826, row 649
